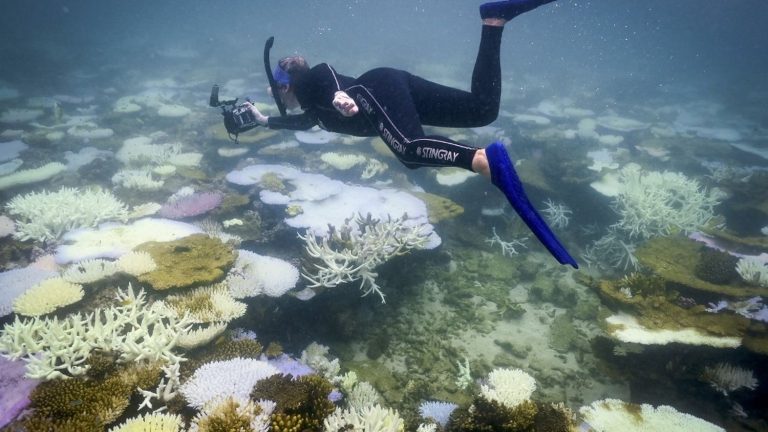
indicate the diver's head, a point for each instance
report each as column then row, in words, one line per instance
column 285, row 74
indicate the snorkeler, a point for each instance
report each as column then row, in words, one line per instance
column 394, row 105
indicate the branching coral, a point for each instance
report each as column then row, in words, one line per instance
column 653, row 204
column 58, row 348
column 727, row 378
column 351, row 253
column 45, row 216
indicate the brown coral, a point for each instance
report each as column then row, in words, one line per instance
column 190, row 261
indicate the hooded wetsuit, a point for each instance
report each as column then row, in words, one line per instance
column 394, row 104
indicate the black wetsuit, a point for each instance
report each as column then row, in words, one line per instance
column 394, row 104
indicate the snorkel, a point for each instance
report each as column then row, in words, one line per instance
column 279, row 77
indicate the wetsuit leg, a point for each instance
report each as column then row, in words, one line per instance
column 383, row 96
column 439, row 105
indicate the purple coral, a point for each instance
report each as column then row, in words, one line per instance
column 290, row 366
column 14, row 389
column 191, row 205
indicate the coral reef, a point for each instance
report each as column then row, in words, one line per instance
column 45, row 216
column 193, row 260
column 301, row 403
column 674, row 258
column 351, row 252
column 716, row 267
column 615, row 415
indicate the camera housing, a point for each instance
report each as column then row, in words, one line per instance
column 237, row 118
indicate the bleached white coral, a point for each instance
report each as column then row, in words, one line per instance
column 342, row 161
column 89, row 271
column 316, row 357
column 509, row 387
column 255, row 274
column 726, row 378
column 32, row 175
column 47, row 296
column 753, row 271
column 205, row 305
column 46, row 215
column 136, row 263
column 139, row 151
column 362, row 395
column 352, row 252
column 201, row 336
column 369, row 419
column 218, row 380
column 626, row 328
column 154, row 422
column 92, row 270
column 653, row 204
column 437, row 411
column 611, row 415
column 139, row 179
column 558, row 215
column 56, row 348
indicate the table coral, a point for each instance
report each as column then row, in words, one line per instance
column 193, row 260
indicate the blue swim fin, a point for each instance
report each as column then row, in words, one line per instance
column 504, row 177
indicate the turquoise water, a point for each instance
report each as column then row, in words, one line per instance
column 634, row 125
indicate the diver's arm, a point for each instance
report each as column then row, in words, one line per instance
column 301, row 121
column 326, row 79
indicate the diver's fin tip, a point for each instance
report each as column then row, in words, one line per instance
column 504, row 177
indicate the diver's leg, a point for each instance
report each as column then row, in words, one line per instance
column 506, row 10
column 440, row 105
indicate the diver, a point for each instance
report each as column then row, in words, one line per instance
column 394, row 105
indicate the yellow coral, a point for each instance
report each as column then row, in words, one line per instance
column 153, row 422
column 47, row 296
column 206, row 305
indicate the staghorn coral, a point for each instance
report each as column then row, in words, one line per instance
column 753, row 271
column 58, row 348
column 652, row 204
column 352, row 252
column 727, row 378
column 45, row 216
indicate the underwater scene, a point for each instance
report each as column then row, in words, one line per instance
column 173, row 259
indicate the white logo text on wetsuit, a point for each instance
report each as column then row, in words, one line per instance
column 439, row 154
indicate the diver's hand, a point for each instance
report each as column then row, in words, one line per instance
column 261, row 118
column 344, row 104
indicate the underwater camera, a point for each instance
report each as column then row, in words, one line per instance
column 237, row 118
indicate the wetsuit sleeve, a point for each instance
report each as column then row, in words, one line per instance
column 302, row 121
column 322, row 83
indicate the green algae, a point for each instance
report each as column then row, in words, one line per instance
column 674, row 258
